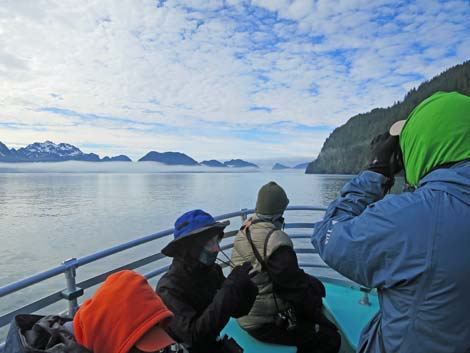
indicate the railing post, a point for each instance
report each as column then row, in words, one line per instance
column 72, row 292
column 244, row 214
column 365, row 297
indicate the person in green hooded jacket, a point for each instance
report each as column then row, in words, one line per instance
column 412, row 247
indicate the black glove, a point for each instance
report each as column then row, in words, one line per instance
column 241, row 290
column 386, row 155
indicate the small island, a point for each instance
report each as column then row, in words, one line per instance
column 213, row 163
column 239, row 163
column 279, row 166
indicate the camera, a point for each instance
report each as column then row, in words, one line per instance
column 287, row 319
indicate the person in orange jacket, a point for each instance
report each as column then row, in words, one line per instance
column 124, row 316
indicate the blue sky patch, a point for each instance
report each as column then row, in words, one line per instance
column 263, row 109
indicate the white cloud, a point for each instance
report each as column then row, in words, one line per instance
column 298, row 9
column 187, row 62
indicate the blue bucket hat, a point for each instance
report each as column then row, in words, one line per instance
column 192, row 224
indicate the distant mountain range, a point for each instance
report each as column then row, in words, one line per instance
column 178, row 158
column 51, row 152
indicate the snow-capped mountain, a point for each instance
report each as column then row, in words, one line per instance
column 47, row 152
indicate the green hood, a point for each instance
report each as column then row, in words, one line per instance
column 436, row 132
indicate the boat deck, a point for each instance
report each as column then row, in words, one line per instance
column 341, row 305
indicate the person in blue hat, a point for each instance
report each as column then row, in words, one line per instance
column 196, row 290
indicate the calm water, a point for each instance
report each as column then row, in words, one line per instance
column 46, row 218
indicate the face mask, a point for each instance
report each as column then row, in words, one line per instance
column 207, row 258
column 209, row 252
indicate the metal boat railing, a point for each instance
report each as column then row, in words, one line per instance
column 74, row 290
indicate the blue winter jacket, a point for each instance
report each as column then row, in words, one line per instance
column 415, row 249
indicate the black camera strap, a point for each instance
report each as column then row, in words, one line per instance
column 260, row 259
column 265, row 247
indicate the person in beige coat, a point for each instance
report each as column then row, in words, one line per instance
column 288, row 308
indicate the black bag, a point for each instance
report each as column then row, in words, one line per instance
column 40, row 334
column 230, row 345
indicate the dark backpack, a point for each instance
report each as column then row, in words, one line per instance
column 40, row 334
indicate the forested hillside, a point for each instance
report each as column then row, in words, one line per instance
column 346, row 150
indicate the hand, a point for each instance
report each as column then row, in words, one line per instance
column 240, row 272
column 242, row 290
column 386, row 155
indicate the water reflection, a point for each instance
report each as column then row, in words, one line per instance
column 330, row 186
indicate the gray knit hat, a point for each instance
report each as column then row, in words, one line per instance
column 272, row 199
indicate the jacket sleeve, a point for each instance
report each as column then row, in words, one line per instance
column 367, row 240
column 192, row 328
column 292, row 284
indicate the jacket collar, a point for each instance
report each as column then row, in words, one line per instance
column 454, row 180
column 256, row 219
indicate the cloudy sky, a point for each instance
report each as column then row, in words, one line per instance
column 214, row 78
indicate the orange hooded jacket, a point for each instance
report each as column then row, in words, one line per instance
column 122, row 310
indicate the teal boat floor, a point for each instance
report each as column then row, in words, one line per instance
column 341, row 304
column 251, row 344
